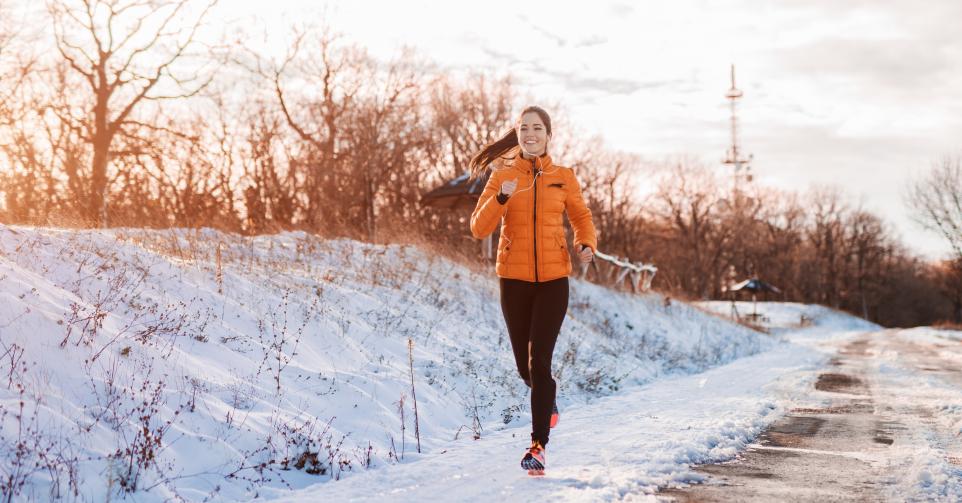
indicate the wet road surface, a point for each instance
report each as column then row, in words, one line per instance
column 847, row 450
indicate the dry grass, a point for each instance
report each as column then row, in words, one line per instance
column 947, row 325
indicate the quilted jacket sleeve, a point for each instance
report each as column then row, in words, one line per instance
column 579, row 215
column 487, row 214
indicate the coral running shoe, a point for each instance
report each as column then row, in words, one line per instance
column 534, row 459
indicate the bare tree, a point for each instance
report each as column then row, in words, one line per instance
column 191, row 172
column 126, row 51
column 825, row 236
column 8, row 73
column 612, row 195
column 949, row 279
column 936, row 200
column 865, row 242
column 462, row 114
column 465, row 116
column 687, row 202
column 271, row 196
column 26, row 181
column 742, row 233
column 318, row 61
column 385, row 130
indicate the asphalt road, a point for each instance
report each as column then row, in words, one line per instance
column 856, row 448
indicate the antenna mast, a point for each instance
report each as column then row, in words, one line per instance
column 733, row 157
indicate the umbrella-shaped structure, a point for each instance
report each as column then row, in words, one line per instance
column 755, row 286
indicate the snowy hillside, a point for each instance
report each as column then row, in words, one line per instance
column 628, row 446
column 194, row 364
column 934, row 334
column 782, row 317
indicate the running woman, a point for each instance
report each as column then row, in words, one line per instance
column 528, row 195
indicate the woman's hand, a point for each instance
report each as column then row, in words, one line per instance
column 586, row 255
column 508, row 187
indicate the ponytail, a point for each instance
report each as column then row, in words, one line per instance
column 508, row 141
column 492, row 151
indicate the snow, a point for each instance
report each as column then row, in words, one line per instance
column 930, row 410
column 619, row 446
column 290, row 357
column 792, row 317
column 277, row 368
column 933, row 335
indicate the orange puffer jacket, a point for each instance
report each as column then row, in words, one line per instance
column 533, row 245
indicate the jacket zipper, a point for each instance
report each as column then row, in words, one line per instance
column 534, row 226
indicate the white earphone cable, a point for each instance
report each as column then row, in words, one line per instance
column 536, row 175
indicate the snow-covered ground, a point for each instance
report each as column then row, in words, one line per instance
column 928, row 405
column 933, row 335
column 917, row 376
column 630, row 445
column 624, row 446
column 192, row 364
column 166, row 365
column 791, row 317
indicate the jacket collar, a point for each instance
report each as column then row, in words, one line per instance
column 518, row 162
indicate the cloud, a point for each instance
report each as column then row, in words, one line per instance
column 591, row 41
column 557, row 39
column 873, row 169
column 562, row 41
column 621, row 10
column 895, row 46
column 900, row 64
column 509, row 59
column 577, row 81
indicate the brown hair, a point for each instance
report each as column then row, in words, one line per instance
column 492, row 151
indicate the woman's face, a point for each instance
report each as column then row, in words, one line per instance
column 532, row 134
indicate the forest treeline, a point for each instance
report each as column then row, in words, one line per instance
column 129, row 113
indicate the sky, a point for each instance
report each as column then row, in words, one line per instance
column 862, row 94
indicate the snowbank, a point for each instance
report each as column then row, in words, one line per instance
column 933, row 334
column 622, row 447
column 194, row 364
column 792, row 317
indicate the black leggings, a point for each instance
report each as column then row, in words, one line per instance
column 533, row 313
